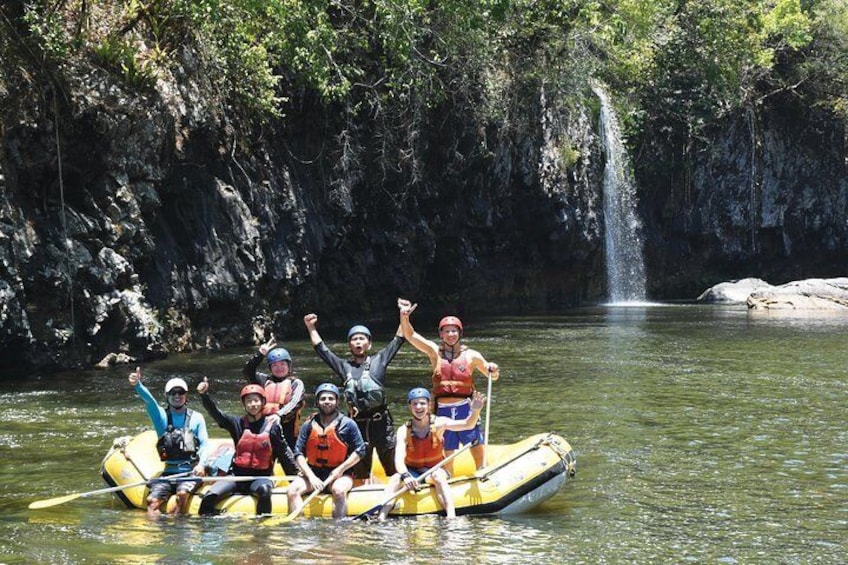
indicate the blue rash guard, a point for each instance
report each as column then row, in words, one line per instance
column 159, row 418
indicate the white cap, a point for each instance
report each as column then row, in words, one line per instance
column 175, row 383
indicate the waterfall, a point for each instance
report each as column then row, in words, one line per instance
column 623, row 236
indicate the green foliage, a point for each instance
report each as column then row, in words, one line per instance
column 117, row 55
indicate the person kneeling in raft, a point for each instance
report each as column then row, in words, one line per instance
column 259, row 442
column 423, row 436
column 328, row 446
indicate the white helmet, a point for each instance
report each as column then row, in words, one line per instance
column 175, row 383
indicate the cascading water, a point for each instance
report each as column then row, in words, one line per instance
column 623, row 236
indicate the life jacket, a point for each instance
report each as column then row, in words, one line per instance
column 324, row 448
column 277, row 394
column 254, row 451
column 453, row 378
column 362, row 392
column 424, row 452
column 177, row 444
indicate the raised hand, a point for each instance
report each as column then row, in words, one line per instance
column 310, row 321
column 268, row 346
column 203, row 387
column 135, row 377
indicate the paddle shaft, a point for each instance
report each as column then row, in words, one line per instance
column 73, row 496
column 488, row 413
column 421, row 478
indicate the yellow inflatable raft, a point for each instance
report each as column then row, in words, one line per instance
column 517, row 478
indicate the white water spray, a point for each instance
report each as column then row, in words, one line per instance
column 623, row 236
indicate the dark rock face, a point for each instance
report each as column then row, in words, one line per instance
column 765, row 195
column 136, row 225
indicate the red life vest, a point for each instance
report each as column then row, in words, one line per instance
column 254, row 451
column 277, row 394
column 424, row 452
column 324, row 448
column 453, row 378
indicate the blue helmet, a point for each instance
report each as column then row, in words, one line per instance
column 359, row 329
column 326, row 387
column 417, row 393
column 279, row 354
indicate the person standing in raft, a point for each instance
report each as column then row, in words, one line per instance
column 259, row 442
column 283, row 391
column 453, row 385
column 183, row 441
column 423, row 436
column 329, row 444
column 363, row 379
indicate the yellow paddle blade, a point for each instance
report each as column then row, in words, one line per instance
column 54, row 501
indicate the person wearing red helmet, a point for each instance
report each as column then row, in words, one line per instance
column 453, row 385
column 259, row 442
column 423, row 436
column 363, row 379
column 284, row 392
column 183, row 441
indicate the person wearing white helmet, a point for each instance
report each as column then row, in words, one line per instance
column 453, row 367
column 183, row 441
column 423, row 436
column 363, row 379
column 283, row 390
column 328, row 446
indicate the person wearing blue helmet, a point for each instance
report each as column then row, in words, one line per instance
column 363, row 379
column 328, row 446
column 284, row 392
column 423, row 437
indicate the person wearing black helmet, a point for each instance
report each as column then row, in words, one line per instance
column 363, row 379
column 453, row 367
column 328, row 446
column 183, row 441
column 283, row 390
column 258, row 443
column 423, row 436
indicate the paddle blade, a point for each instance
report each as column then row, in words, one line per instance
column 38, row 504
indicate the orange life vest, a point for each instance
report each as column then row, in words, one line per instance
column 424, row 452
column 254, row 451
column 453, row 378
column 324, row 448
column 277, row 394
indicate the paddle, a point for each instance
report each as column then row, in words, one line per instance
column 488, row 412
column 421, row 478
column 294, row 514
column 38, row 504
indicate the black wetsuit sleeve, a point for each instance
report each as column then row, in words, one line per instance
column 249, row 370
column 332, row 360
column 282, row 451
column 230, row 423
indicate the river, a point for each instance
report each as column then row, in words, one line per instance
column 703, row 434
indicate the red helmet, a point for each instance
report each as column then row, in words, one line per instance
column 253, row 389
column 450, row 321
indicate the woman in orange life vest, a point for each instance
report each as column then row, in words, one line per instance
column 423, row 436
column 453, row 366
column 258, row 440
column 283, row 390
column 328, row 446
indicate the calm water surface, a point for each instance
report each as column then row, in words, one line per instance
column 703, row 435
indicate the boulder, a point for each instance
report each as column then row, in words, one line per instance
column 733, row 292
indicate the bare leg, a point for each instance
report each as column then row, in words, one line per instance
column 477, row 452
column 340, row 488
column 443, row 493
column 393, row 487
column 295, row 494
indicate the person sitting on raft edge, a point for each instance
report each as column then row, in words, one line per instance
column 423, row 438
column 183, row 442
column 258, row 442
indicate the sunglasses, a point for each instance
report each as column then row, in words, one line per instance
column 177, row 393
